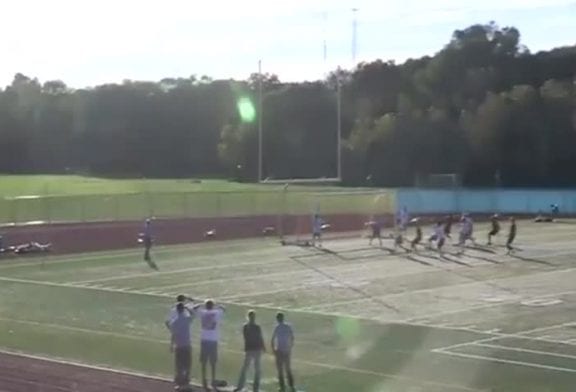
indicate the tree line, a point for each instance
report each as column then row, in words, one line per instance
column 484, row 107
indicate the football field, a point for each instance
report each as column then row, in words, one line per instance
column 366, row 318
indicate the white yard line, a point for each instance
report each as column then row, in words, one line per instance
column 161, row 341
column 447, row 287
column 248, row 305
column 525, row 350
column 152, row 274
column 520, row 335
column 507, row 361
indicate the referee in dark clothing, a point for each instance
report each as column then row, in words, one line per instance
column 253, row 349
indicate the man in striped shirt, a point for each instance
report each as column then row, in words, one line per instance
column 282, row 343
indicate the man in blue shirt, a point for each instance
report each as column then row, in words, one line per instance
column 181, row 346
column 282, row 343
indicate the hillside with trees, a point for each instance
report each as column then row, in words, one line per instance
column 484, row 107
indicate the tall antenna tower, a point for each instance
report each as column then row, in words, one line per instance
column 354, row 35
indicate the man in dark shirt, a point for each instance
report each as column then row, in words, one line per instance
column 495, row 228
column 511, row 236
column 253, row 349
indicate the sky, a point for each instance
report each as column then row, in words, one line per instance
column 88, row 42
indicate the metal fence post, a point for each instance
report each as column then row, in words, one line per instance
column 184, row 205
column 47, row 213
column 14, row 209
column 82, row 208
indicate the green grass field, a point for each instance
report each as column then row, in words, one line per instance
column 79, row 199
column 365, row 319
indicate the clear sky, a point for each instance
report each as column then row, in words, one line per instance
column 89, row 42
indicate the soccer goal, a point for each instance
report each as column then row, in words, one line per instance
column 344, row 214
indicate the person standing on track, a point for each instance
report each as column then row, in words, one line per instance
column 511, row 236
column 317, row 223
column 281, row 344
column 253, row 349
column 448, row 225
column 495, row 228
column 210, row 317
column 466, row 230
column 416, row 240
column 147, row 239
column 402, row 218
column 375, row 231
column 181, row 346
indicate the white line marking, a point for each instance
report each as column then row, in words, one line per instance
column 507, row 361
column 492, row 305
column 525, row 350
column 275, row 308
column 519, row 335
column 304, row 362
column 84, row 365
column 152, row 274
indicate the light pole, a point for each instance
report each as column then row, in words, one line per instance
column 260, row 121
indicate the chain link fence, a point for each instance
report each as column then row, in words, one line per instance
column 173, row 205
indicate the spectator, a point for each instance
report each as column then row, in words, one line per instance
column 282, row 343
column 173, row 313
column 253, row 349
column 181, row 346
column 210, row 317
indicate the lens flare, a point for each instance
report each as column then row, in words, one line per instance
column 246, row 110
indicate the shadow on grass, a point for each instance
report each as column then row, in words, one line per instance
column 531, row 260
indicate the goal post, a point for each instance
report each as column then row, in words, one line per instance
column 345, row 212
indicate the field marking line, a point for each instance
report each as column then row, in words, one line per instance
column 518, row 335
column 247, row 305
column 152, row 274
column 289, row 274
column 508, row 361
column 493, row 336
column 276, row 291
column 469, row 308
column 525, row 350
column 237, row 352
column 491, row 305
column 343, row 268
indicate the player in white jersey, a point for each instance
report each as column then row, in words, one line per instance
column 466, row 230
column 210, row 316
column 402, row 218
column 317, row 224
column 438, row 236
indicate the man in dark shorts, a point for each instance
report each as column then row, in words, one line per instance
column 281, row 344
column 376, row 231
column 418, row 237
column 511, row 236
column 448, row 225
column 495, row 228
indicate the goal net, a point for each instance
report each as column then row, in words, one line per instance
column 344, row 213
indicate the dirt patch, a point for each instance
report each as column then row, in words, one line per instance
column 86, row 237
column 25, row 374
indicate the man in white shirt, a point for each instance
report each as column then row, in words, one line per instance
column 181, row 346
column 173, row 313
column 210, row 317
